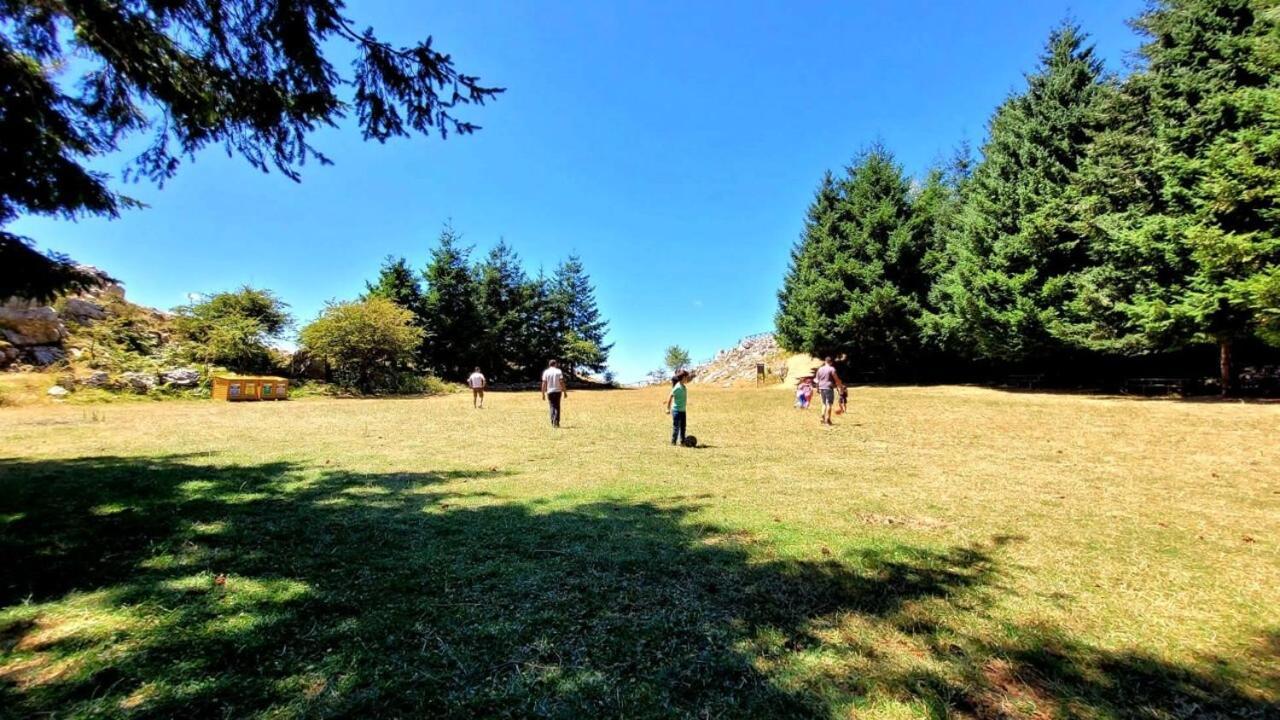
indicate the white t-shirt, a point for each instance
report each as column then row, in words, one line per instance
column 554, row 379
column 476, row 381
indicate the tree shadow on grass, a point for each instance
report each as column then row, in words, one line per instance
column 176, row 587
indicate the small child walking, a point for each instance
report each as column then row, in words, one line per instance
column 676, row 403
column 804, row 391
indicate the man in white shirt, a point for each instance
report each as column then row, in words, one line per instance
column 553, row 389
column 477, row 383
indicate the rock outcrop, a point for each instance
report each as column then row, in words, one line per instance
column 739, row 363
column 34, row 335
column 25, row 325
column 97, row 378
column 139, row 382
column 181, row 377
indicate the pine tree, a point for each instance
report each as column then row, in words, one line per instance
column 1120, row 301
column 1214, row 70
column 506, row 306
column 800, row 321
column 855, row 282
column 878, row 266
column 450, row 311
column 548, row 324
column 573, row 299
column 934, row 209
column 256, row 79
column 1013, row 239
column 398, row 283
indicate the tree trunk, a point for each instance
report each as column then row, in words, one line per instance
column 1224, row 365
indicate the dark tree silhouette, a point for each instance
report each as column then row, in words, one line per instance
column 254, row 76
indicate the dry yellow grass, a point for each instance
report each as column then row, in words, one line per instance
column 1100, row 533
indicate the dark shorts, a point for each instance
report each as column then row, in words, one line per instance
column 828, row 395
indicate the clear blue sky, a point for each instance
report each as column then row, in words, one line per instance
column 673, row 145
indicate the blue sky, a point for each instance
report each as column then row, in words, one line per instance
column 673, row 145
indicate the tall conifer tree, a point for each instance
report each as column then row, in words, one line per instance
column 1214, row 71
column 573, row 298
column 398, row 283
column 1013, row 240
column 450, row 311
column 1120, row 301
column 855, row 282
column 807, row 290
column 505, row 304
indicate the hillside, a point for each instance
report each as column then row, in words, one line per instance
column 95, row 340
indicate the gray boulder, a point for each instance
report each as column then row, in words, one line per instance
column 97, row 378
column 181, row 377
column 82, row 311
column 44, row 355
column 139, row 382
column 57, row 391
column 23, row 324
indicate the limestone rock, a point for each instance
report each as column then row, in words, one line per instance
column 57, row 392
column 181, row 377
column 139, row 382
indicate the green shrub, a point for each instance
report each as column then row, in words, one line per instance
column 367, row 343
column 413, row 384
column 233, row 328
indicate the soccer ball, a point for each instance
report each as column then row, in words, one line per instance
column 690, row 441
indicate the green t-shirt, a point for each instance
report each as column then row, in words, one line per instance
column 681, row 394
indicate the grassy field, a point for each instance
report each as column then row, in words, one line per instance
column 939, row 552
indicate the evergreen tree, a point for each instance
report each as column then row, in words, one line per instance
column 855, row 280
column 809, row 289
column 450, row 310
column 934, row 209
column 1214, row 71
column 571, row 308
column 1120, row 301
column 549, row 313
column 506, row 301
column 398, row 283
column 878, row 266
column 254, row 78
column 1013, row 240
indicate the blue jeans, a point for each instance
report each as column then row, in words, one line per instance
column 678, row 418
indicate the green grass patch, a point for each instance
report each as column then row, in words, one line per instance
column 940, row 553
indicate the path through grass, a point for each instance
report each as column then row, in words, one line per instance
column 942, row 551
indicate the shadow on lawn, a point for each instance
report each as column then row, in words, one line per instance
column 387, row 596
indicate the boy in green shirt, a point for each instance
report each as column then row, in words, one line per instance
column 676, row 406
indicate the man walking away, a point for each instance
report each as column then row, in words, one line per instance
column 477, row 384
column 553, row 390
column 828, row 380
